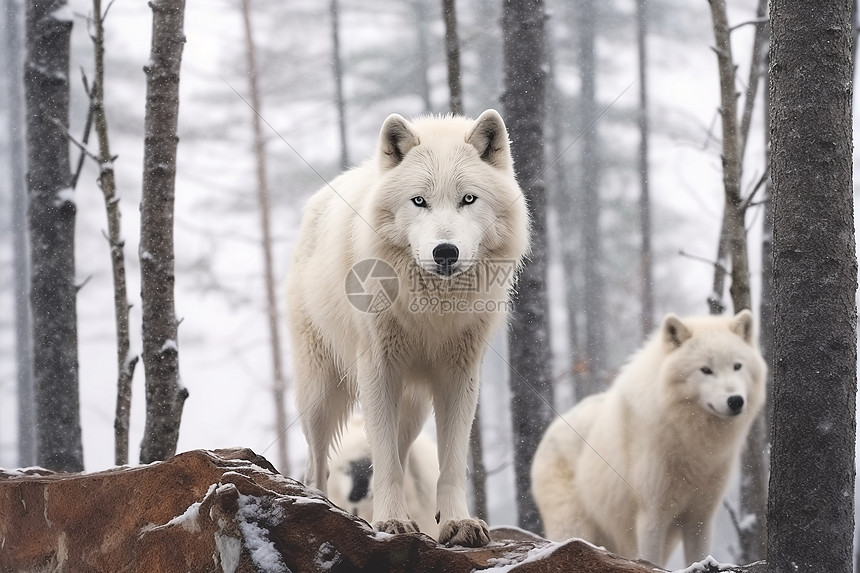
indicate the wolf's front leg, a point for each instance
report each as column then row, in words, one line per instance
column 697, row 540
column 455, row 399
column 380, row 390
column 651, row 536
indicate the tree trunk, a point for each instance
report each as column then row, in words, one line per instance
column 265, row 208
column 53, row 292
column 811, row 494
column 593, row 288
column 165, row 396
column 423, row 59
column 562, row 198
column 337, row 66
column 734, row 208
column 754, row 460
column 20, row 264
column 646, row 293
column 530, row 359
column 452, row 53
column 107, row 182
column 733, row 244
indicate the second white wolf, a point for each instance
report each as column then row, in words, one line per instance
column 644, row 465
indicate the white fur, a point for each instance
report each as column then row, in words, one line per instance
column 644, row 465
column 422, row 471
column 409, row 357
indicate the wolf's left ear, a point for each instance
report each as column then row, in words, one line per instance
column 674, row 331
column 396, row 138
column 742, row 325
column 490, row 137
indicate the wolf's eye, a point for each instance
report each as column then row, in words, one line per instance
column 738, row 365
column 419, row 201
column 468, row 199
column 706, row 370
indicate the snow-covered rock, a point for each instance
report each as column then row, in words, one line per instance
column 229, row 510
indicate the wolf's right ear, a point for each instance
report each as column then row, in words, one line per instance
column 490, row 137
column 396, row 138
column 742, row 325
column 674, row 331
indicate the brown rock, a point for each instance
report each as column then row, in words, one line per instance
column 229, row 510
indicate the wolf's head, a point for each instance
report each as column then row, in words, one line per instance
column 714, row 361
column 447, row 193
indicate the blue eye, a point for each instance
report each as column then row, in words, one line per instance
column 706, row 370
column 419, row 201
column 468, row 199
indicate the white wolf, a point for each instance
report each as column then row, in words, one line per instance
column 351, row 469
column 643, row 465
column 402, row 270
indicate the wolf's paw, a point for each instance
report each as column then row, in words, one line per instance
column 396, row 526
column 465, row 532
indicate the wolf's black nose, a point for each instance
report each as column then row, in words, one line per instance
column 736, row 403
column 445, row 255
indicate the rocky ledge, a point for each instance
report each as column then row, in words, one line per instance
column 230, row 511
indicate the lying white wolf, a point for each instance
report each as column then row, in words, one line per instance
column 643, row 465
column 402, row 270
column 349, row 484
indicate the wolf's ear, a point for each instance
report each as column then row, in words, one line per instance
column 396, row 138
column 674, row 331
column 742, row 325
column 490, row 137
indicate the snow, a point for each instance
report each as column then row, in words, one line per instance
column 747, row 522
column 169, row 344
column 707, row 565
column 229, row 550
column 63, row 13
column 502, row 564
column 327, row 557
column 263, row 552
column 65, row 195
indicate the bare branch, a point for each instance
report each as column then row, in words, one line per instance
column 76, row 143
column 754, row 22
column 759, row 184
column 716, row 264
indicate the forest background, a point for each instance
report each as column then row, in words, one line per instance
column 393, row 60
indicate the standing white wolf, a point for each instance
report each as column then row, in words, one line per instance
column 643, row 465
column 402, row 271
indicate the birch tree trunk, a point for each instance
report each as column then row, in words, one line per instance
column 125, row 363
column 165, row 396
column 452, row 53
column 646, row 293
column 593, row 302
column 561, row 197
column 811, row 493
column 337, row 67
column 53, row 292
column 734, row 208
column 421, row 17
column 530, row 375
column 20, row 264
column 265, row 208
